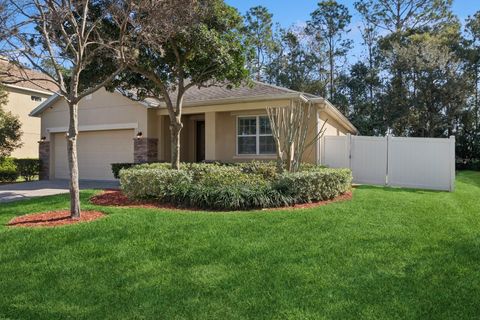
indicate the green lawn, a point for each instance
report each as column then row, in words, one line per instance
column 387, row 254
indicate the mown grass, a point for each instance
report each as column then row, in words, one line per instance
column 387, row 254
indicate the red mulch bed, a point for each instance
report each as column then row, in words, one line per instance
column 53, row 219
column 115, row 198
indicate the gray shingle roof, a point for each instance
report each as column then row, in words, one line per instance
column 222, row 92
column 11, row 74
column 217, row 93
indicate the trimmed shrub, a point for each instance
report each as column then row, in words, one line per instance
column 154, row 165
column 314, row 185
column 228, row 188
column 28, row 168
column 116, row 167
column 266, row 169
column 228, row 196
column 160, row 184
column 232, row 187
column 8, row 170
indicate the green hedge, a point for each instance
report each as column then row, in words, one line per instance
column 11, row 169
column 116, row 167
column 8, row 170
column 157, row 184
column 315, row 185
column 28, row 168
column 232, row 187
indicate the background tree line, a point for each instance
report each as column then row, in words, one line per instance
column 419, row 74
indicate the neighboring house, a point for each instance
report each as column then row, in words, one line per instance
column 23, row 97
column 221, row 124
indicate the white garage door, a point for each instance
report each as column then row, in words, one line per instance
column 97, row 150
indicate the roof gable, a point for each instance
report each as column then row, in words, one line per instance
column 14, row 75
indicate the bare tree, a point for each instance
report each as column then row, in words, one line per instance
column 290, row 127
column 179, row 44
column 64, row 40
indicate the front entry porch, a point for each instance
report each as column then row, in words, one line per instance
column 195, row 146
column 210, row 136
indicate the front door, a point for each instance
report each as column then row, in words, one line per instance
column 200, row 141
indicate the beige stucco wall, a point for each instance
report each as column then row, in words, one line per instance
column 226, row 129
column 226, row 138
column 333, row 127
column 21, row 104
column 102, row 109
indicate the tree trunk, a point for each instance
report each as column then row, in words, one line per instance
column 279, row 155
column 332, row 68
column 258, row 65
column 73, row 161
column 477, row 102
column 175, row 129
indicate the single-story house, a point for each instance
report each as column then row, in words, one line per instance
column 220, row 124
column 23, row 96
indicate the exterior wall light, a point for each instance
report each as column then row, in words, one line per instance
column 139, row 134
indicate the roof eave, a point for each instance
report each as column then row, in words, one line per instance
column 285, row 96
column 28, row 89
column 44, row 105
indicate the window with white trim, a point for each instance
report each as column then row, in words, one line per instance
column 254, row 136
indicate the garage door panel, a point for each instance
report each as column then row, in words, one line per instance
column 97, row 150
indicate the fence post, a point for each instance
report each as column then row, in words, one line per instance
column 452, row 163
column 348, row 142
column 387, row 138
column 321, row 151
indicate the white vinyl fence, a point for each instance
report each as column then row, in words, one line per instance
column 424, row 163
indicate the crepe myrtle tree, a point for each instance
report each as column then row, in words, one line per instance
column 202, row 48
column 69, row 41
column 290, row 129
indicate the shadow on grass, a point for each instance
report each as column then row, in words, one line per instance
column 469, row 177
column 399, row 190
column 42, row 204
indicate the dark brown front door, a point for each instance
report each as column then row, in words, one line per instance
column 200, row 141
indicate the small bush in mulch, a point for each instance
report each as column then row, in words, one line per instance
column 116, row 198
column 53, row 219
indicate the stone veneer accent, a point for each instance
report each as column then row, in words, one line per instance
column 44, row 156
column 145, row 150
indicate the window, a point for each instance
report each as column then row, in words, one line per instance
column 254, row 136
column 35, row 98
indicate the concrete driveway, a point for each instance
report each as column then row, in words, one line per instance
column 27, row 190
